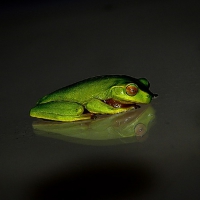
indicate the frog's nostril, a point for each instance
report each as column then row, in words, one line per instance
column 148, row 96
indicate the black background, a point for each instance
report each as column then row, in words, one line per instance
column 47, row 45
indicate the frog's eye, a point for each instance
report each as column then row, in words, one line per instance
column 131, row 89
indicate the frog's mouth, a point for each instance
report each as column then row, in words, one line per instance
column 118, row 104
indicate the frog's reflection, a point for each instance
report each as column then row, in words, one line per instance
column 110, row 129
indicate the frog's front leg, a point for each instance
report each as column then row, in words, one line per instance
column 60, row 111
column 100, row 107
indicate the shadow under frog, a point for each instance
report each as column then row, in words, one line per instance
column 128, row 127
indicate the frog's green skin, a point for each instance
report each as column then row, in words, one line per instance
column 98, row 95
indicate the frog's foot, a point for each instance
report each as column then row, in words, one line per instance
column 86, row 113
column 93, row 116
column 118, row 104
column 136, row 106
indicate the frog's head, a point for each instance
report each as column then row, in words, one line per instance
column 135, row 92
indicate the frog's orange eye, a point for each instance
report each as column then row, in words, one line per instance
column 131, row 89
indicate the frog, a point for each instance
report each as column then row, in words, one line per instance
column 83, row 100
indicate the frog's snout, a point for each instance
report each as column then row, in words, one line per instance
column 149, row 96
column 152, row 96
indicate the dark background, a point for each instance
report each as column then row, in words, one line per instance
column 47, row 45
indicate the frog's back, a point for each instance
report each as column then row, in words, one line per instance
column 96, row 87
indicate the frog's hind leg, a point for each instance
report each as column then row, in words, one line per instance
column 60, row 111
